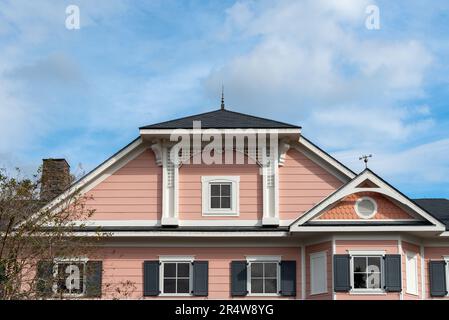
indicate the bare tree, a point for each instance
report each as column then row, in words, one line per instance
column 34, row 236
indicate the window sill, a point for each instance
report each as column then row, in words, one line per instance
column 367, row 292
column 318, row 293
column 174, row 295
column 220, row 214
column 255, row 295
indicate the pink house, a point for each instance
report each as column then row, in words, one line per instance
column 298, row 226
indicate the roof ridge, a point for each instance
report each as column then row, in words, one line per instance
column 261, row 118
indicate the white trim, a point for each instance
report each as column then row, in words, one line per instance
column 327, row 158
column 263, row 259
column 320, row 254
column 356, row 208
column 423, row 278
column 181, row 234
column 334, row 251
column 401, row 294
column 189, row 223
column 206, row 182
column 412, row 256
column 175, row 259
column 364, row 228
column 446, row 267
column 383, row 189
column 303, row 272
column 366, row 252
column 170, row 258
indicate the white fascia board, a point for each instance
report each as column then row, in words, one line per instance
column 366, row 228
column 326, row 157
column 350, row 188
column 181, row 234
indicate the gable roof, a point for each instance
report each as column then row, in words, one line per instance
column 439, row 208
column 222, row 119
column 303, row 222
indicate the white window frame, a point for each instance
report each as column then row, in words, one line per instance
column 356, row 208
column 264, row 259
column 368, row 253
column 313, row 290
column 206, row 182
column 175, row 259
column 63, row 260
column 414, row 256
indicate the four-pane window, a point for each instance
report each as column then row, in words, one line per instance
column 367, row 272
column 220, row 195
column 264, row 277
column 70, row 277
column 176, row 277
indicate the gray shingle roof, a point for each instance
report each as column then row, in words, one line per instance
column 222, row 119
column 439, row 208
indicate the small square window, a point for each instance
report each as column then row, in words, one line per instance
column 367, row 272
column 70, row 277
column 263, row 277
column 176, row 277
column 220, row 195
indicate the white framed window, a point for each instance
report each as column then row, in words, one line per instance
column 366, row 207
column 263, row 275
column 411, row 271
column 175, row 274
column 367, row 271
column 70, row 276
column 318, row 272
column 220, row 195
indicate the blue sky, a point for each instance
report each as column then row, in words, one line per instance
column 82, row 94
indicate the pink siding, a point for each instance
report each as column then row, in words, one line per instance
column 302, row 184
column 132, row 193
column 325, row 246
column 385, row 208
column 432, row 253
column 406, row 246
column 389, row 246
column 123, row 264
column 251, row 197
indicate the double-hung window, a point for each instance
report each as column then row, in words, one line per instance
column 367, row 272
column 176, row 276
column 263, row 276
column 220, row 195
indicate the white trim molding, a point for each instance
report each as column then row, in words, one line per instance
column 359, row 213
column 383, row 189
column 206, row 182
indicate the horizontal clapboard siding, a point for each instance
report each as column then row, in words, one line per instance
column 302, row 184
column 132, row 192
column 125, row 264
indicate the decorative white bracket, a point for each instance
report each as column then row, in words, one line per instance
column 283, row 147
column 271, row 192
column 157, row 149
column 170, row 178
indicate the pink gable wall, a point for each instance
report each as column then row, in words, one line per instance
column 251, row 198
column 302, row 184
column 132, row 193
column 385, row 208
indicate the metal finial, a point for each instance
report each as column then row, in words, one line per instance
column 365, row 159
column 222, row 98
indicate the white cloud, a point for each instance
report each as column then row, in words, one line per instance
column 315, row 64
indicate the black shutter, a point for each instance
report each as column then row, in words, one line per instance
column 288, row 278
column 200, row 278
column 341, row 273
column 94, row 275
column 2, row 272
column 393, row 277
column 238, row 278
column 437, row 275
column 150, row 278
column 44, row 278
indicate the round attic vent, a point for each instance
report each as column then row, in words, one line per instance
column 366, row 207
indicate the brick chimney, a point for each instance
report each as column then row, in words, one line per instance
column 55, row 178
